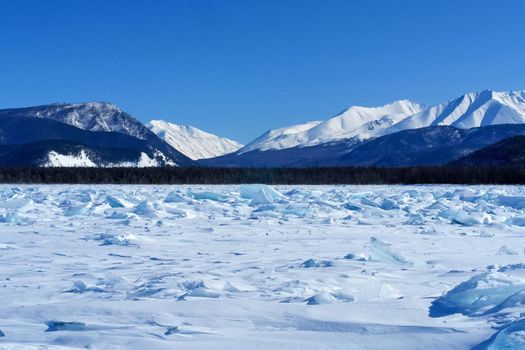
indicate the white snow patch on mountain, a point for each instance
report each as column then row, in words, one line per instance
column 56, row 159
column 143, row 162
column 193, row 142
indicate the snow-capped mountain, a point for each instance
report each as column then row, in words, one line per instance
column 356, row 121
column 362, row 123
column 91, row 117
column 469, row 111
column 193, row 142
column 333, row 142
column 101, row 134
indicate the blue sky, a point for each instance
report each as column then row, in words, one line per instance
column 240, row 67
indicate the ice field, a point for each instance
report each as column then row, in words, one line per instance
column 257, row 267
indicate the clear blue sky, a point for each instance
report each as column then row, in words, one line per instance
column 240, row 67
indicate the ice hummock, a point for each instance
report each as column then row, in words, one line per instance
column 260, row 194
column 382, row 252
column 476, row 295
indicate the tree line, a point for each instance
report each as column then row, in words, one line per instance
column 285, row 176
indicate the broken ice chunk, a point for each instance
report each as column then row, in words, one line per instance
column 469, row 195
column 349, row 256
column 197, row 289
column 367, row 201
column 176, row 213
column 212, row 196
column 55, row 326
column 316, row 263
column 79, row 286
column 505, row 250
column 320, row 299
column 517, row 221
column 511, row 336
column 388, row 204
column 363, row 222
column 415, row 219
column 14, row 218
column 516, row 202
column 516, row 299
column 412, row 194
column 388, row 292
column 81, row 210
column 250, row 191
column 383, row 253
column 116, row 239
column 174, row 197
column 115, row 202
column 459, row 216
column 299, row 210
column 352, row 206
column 145, row 209
column 262, row 198
column 476, row 295
column 359, row 257
column 17, row 203
column 463, row 218
column 328, row 221
column 343, row 296
column 115, row 215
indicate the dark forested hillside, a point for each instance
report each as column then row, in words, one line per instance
column 509, row 152
column 312, row 176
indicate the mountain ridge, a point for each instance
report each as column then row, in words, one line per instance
column 355, row 121
column 191, row 141
column 99, row 117
column 476, row 109
column 401, row 133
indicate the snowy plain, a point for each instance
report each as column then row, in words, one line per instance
column 255, row 267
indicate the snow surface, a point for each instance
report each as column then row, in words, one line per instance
column 361, row 123
column 243, row 267
column 192, row 142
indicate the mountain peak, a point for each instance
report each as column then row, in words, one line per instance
column 193, row 142
column 356, row 121
column 100, row 117
column 474, row 109
column 97, row 105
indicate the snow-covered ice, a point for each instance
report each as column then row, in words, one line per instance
column 255, row 266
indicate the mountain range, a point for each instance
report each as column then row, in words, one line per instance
column 402, row 133
column 335, row 142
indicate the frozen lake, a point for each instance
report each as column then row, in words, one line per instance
column 242, row 267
